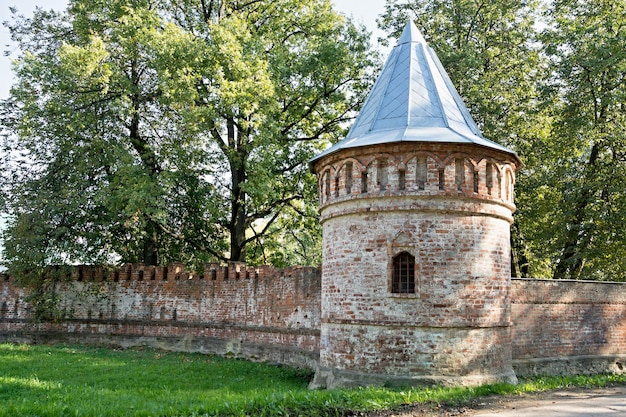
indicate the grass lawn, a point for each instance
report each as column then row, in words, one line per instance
column 91, row 381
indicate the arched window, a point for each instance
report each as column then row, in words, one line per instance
column 421, row 171
column 327, row 185
column 348, row 182
column 382, row 174
column 403, row 276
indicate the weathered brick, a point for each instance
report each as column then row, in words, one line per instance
column 559, row 325
column 277, row 314
column 457, row 230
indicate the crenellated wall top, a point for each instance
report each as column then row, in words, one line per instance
column 417, row 169
column 174, row 272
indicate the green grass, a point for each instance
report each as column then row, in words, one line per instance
column 56, row 381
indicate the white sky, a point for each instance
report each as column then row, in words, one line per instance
column 363, row 11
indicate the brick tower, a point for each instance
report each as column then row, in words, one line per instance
column 416, row 207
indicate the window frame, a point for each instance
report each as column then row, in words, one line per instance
column 403, row 260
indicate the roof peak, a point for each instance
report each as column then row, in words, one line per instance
column 411, row 34
column 413, row 100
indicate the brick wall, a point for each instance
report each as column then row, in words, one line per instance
column 259, row 313
column 559, row 327
column 568, row 327
column 449, row 207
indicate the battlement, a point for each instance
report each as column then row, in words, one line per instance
column 262, row 312
column 264, row 296
column 174, row 272
column 417, row 169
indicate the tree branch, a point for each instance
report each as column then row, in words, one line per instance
column 282, row 202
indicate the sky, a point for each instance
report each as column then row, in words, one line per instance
column 363, row 11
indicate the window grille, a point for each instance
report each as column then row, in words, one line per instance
column 403, row 279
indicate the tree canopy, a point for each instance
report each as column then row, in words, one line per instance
column 174, row 130
column 584, row 162
column 160, row 130
column 546, row 79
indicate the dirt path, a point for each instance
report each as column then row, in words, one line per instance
column 577, row 402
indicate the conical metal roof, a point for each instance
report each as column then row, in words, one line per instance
column 413, row 100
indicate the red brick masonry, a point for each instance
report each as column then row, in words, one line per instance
column 568, row 327
column 259, row 313
column 274, row 315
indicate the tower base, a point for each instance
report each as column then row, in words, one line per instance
column 336, row 378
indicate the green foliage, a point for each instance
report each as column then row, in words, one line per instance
column 491, row 52
column 271, row 103
column 168, row 131
column 180, row 130
column 85, row 116
column 91, row 381
column 587, row 45
column 570, row 195
column 556, row 96
column 293, row 239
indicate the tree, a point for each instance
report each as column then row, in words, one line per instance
column 491, row 52
column 586, row 42
column 268, row 106
column 98, row 141
column 557, row 98
column 170, row 130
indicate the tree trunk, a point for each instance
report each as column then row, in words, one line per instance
column 150, row 163
column 571, row 261
column 238, row 201
column 238, row 221
column 519, row 261
column 151, row 245
column 151, row 240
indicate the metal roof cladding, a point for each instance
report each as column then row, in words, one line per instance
column 413, row 100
